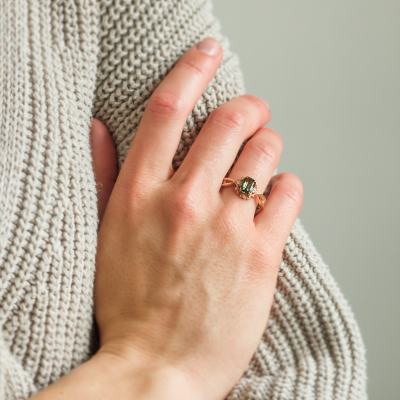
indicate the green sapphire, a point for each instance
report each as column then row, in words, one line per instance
column 247, row 185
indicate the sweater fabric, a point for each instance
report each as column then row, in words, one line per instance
column 62, row 62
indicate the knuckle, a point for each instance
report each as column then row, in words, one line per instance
column 134, row 195
column 168, row 104
column 264, row 152
column 265, row 261
column 194, row 66
column 261, row 253
column 229, row 118
column 255, row 101
column 184, row 205
column 292, row 190
column 277, row 137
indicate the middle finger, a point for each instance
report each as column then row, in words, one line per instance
column 216, row 147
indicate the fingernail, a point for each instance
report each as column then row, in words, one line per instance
column 266, row 103
column 209, row 46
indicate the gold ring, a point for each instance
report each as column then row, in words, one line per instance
column 246, row 188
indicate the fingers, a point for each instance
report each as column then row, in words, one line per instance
column 159, row 132
column 283, row 205
column 216, row 147
column 104, row 163
column 259, row 159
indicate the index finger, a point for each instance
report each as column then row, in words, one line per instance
column 162, row 123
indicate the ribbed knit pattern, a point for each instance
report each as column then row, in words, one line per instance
column 63, row 61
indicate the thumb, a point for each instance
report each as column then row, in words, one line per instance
column 104, row 163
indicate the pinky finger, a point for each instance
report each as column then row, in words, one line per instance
column 283, row 205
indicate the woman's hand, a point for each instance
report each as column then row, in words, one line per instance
column 185, row 275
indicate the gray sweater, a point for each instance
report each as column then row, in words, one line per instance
column 62, row 62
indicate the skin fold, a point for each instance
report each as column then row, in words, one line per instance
column 185, row 275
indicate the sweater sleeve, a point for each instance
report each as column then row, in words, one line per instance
column 312, row 347
column 15, row 382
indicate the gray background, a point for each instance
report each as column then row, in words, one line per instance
column 330, row 71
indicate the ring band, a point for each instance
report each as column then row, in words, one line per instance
column 246, row 188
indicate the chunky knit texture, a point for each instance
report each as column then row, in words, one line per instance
column 63, row 61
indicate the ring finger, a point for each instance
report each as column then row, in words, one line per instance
column 258, row 160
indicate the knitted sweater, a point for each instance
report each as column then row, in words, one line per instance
column 62, row 62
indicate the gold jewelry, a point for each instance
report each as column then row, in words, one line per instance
column 246, row 188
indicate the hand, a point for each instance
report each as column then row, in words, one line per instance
column 185, row 275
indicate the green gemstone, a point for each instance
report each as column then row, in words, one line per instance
column 247, row 185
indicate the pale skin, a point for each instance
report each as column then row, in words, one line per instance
column 185, row 274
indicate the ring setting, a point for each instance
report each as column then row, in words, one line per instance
column 246, row 188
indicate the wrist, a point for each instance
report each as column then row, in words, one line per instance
column 151, row 374
column 108, row 376
column 135, row 380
